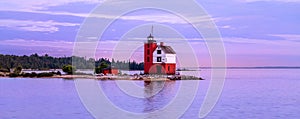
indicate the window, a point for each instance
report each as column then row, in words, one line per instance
column 148, row 45
column 148, row 59
column 158, row 51
column 148, row 52
column 158, row 59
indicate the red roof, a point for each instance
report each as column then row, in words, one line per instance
column 168, row 49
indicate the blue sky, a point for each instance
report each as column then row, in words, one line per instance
column 255, row 32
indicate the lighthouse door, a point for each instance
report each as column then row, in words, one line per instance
column 158, row 69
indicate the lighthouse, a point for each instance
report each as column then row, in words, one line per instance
column 158, row 58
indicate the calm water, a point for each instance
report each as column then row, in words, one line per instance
column 248, row 93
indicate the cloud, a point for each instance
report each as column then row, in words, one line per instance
column 39, row 26
column 227, row 27
column 37, row 6
column 293, row 41
column 37, row 43
column 264, row 42
column 22, row 47
column 40, row 4
column 166, row 18
column 289, row 1
column 291, row 37
column 158, row 17
column 57, row 44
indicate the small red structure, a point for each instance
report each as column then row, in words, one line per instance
column 113, row 71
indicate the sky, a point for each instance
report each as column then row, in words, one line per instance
column 254, row 32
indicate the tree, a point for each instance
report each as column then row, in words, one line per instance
column 45, row 62
column 69, row 69
column 102, row 66
column 18, row 70
column 58, row 73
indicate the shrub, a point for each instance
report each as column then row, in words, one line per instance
column 58, row 73
column 45, row 74
column 4, row 70
column 33, row 74
column 18, row 70
column 13, row 75
column 100, row 68
column 26, row 75
column 69, row 69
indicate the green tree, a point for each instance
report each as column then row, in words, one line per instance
column 100, row 68
column 69, row 69
column 36, row 61
column 58, row 73
column 18, row 70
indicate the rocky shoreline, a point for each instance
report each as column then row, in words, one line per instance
column 111, row 77
column 132, row 77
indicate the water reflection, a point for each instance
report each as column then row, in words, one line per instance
column 156, row 101
column 157, row 94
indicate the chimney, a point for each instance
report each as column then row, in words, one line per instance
column 161, row 43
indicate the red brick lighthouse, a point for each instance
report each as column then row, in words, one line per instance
column 158, row 58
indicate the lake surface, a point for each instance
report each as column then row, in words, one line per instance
column 247, row 93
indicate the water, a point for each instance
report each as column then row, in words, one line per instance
column 247, row 93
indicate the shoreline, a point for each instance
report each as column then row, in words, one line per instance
column 118, row 77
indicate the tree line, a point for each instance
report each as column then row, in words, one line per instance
column 45, row 62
